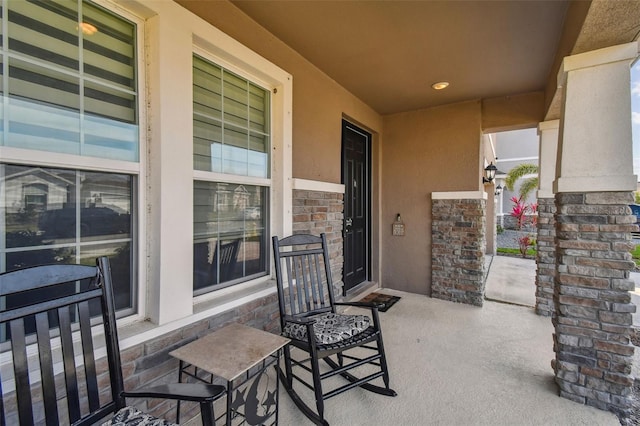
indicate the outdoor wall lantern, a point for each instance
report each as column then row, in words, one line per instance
column 498, row 190
column 489, row 173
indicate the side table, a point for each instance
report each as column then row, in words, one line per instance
column 240, row 355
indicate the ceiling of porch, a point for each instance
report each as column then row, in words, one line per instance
column 389, row 53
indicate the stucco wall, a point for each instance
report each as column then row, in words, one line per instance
column 512, row 112
column 432, row 150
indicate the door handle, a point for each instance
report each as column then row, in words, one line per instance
column 349, row 222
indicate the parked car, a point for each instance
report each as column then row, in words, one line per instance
column 635, row 210
column 95, row 221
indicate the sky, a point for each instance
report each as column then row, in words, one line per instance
column 635, row 116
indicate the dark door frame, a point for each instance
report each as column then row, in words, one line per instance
column 366, row 193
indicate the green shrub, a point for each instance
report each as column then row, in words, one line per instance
column 530, row 252
column 635, row 254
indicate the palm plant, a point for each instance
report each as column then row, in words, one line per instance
column 528, row 185
column 520, row 209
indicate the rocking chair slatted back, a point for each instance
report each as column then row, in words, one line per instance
column 79, row 288
column 308, row 275
column 309, row 292
column 56, row 323
column 345, row 342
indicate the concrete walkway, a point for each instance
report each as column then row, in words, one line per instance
column 511, row 280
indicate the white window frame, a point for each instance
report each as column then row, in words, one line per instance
column 279, row 223
column 217, row 177
column 173, row 33
column 27, row 157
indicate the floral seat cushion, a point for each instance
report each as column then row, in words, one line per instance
column 329, row 328
column 131, row 416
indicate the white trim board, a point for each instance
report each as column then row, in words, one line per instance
column 314, row 185
column 459, row 195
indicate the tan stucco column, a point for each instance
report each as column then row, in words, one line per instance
column 595, row 150
column 594, row 184
column 546, row 253
column 548, row 153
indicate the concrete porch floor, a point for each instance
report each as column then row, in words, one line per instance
column 455, row 364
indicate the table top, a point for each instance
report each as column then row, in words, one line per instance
column 231, row 350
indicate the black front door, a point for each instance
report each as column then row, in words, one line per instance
column 356, row 179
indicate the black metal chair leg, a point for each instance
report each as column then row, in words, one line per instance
column 317, row 388
column 383, row 362
column 206, row 413
column 288, row 368
column 306, row 410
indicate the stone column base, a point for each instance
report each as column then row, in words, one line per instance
column 458, row 242
column 593, row 322
column 546, row 257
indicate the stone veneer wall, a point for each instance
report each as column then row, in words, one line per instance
column 594, row 309
column 315, row 212
column 546, row 257
column 458, row 243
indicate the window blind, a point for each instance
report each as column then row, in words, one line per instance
column 231, row 122
column 70, row 69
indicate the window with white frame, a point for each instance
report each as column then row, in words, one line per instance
column 69, row 88
column 231, row 140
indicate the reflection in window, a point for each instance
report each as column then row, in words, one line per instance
column 68, row 216
column 35, row 196
column 231, row 136
column 72, row 91
column 230, row 233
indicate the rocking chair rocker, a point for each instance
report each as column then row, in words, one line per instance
column 317, row 331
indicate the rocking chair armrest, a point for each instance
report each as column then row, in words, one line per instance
column 195, row 392
column 370, row 305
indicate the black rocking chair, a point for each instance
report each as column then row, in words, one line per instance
column 54, row 380
column 309, row 318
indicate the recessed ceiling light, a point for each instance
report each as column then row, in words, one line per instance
column 88, row 29
column 440, row 85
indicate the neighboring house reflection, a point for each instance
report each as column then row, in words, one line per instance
column 36, row 189
column 42, row 203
